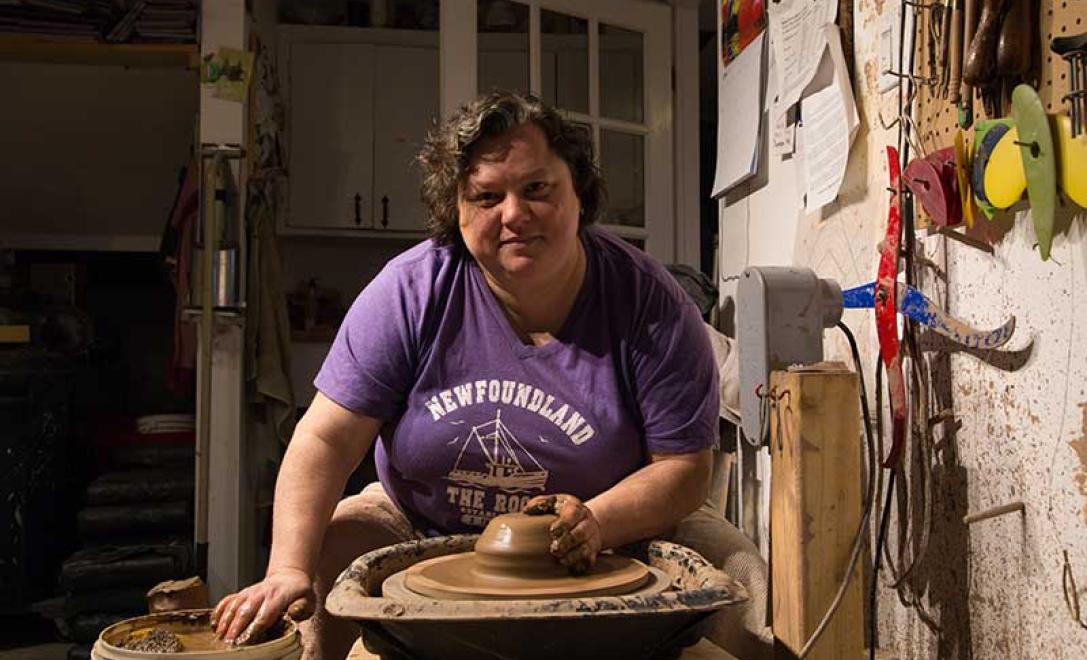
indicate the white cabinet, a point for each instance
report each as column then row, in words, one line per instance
column 359, row 104
column 405, row 104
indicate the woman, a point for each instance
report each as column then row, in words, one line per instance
column 575, row 355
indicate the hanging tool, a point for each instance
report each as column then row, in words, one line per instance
column 986, row 136
column 1014, row 49
column 933, row 181
column 886, row 291
column 1039, row 162
column 954, row 85
column 1074, row 51
column 1003, row 175
column 915, row 305
column 966, row 93
column 1071, row 160
column 980, row 67
column 962, row 175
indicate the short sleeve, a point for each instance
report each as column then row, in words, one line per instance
column 675, row 376
column 371, row 364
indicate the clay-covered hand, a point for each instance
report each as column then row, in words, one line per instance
column 240, row 617
column 575, row 536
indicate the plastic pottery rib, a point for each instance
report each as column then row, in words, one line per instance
column 1071, row 160
column 1005, row 180
column 1039, row 162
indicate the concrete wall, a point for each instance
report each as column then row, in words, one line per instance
column 994, row 587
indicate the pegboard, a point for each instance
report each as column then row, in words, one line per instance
column 936, row 117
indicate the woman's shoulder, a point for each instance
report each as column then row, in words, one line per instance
column 624, row 266
column 423, row 267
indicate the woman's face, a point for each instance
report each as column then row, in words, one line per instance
column 518, row 209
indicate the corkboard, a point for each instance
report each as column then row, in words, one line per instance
column 936, row 116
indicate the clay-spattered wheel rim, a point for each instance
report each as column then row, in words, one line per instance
column 453, row 576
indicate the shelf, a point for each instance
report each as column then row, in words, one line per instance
column 23, row 48
column 82, row 242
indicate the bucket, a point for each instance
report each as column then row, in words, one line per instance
column 193, row 627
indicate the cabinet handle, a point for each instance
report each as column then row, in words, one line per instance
column 384, row 211
column 358, row 217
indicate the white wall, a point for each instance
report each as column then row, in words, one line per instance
column 994, row 587
column 91, row 151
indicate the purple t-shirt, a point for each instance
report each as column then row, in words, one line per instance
column 477, row 422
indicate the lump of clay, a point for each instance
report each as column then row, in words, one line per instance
column 159, row 640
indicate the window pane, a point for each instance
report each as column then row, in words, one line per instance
column 622, row 159
column 564, row 60
column 621, row 86
column 502, row 27
column 392, row 14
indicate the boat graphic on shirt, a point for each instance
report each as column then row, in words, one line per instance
column 493, row 457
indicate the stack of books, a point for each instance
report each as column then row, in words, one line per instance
column 171, row 21
column 114, row 21
column 79, row 20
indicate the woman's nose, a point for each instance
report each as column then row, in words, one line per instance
column 515, row 211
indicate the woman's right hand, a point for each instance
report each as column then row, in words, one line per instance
column 240, row 616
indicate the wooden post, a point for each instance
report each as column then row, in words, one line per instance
column 815, row 508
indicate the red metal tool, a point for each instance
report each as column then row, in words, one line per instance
column 886, row 312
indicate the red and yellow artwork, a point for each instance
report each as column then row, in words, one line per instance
column 741, row 22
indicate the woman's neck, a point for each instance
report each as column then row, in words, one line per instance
column 537, row 311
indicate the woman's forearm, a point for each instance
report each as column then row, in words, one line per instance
column 325, row 448
column 651, row 501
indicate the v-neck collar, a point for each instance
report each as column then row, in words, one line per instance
column 560, row 338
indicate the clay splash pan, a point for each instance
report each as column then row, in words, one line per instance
column 400, row 623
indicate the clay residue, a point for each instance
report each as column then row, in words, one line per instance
column 1080, row 447
column 159, row 640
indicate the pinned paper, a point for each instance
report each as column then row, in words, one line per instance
column 829, row 123
column 798, row 44
column 227, row 71
column 739, row 112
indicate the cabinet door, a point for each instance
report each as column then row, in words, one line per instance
column 331, row 135
column 405, row 105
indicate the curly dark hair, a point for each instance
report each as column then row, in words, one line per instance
column 448, row 150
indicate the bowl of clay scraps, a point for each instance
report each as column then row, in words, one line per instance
column 476, row 609
column 188, row 634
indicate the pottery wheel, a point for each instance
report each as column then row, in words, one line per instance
column 460, row 577
column 511, row 561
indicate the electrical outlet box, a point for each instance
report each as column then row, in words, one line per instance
column 890, row 46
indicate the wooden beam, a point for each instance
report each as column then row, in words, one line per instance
column 815, row 508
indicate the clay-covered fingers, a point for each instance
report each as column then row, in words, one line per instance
column 540, row 505
column 575, row 535
column 576, row 538
column 240, row 617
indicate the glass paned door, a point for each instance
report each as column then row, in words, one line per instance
column 606, row 64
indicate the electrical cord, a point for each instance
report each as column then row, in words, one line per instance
column 869, row 500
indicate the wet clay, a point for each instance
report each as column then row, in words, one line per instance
column 511, row 560
column 162, row 640
column 177, row 632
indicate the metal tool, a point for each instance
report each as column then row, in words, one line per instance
column 1074, row 51
column 913, row 304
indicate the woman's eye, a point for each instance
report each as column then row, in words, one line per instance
column 486, row 199
column 537, row 188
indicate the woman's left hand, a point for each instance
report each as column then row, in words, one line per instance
column 575, row 537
